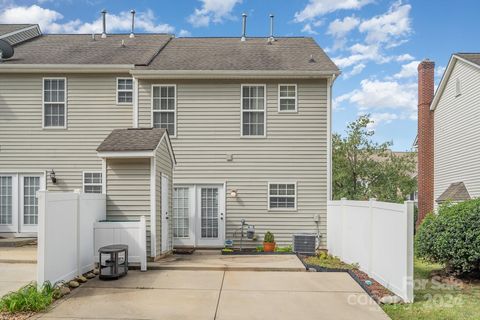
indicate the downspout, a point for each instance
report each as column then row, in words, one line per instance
column 330, row 82
column 135, row 103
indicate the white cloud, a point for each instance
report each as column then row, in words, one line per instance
column 376, row 94
column 388, row 27
column 212, row 11
column 439, row 70
column 404, row 57
column 50, row 21
column 408, row 70
column 355, row 70
column 184, row 33
column 308, row 29
column 316, row 8
column 379, row 118
column 361, row 53
column 339, row 28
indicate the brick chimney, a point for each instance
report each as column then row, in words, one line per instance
column 426, row 70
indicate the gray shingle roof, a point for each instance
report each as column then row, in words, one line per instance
column 456, row 192
column 7, row 28
column 139, row 139
column 81, row 49
column 472, row 57
column 284, row 54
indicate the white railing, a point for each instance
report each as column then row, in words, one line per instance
column 131, row 233
column 379, row 237
column 65, row 234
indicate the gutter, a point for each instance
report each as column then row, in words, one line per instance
column 230, row 74
column 65, row 68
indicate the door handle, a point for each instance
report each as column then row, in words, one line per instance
column 166, row 215
column 221, row 216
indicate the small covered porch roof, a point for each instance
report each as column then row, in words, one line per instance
column 456, row 192
column 134, row 143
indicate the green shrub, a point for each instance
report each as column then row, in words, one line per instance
column 269, row 238
column 452, row 237
column 259, row 248
column 29, row 298
column 283, row 249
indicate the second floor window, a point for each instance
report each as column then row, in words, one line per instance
column 164, row 108
column 287, row 98
column 124, row 91
column 54, row 103
column 253, row 110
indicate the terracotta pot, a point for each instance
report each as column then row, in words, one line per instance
column 269, row 246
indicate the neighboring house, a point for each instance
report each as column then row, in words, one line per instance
column 448, row 148
column 249, row 124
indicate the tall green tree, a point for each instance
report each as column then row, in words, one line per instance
column 364, row 169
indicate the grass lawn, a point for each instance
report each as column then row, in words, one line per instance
column 435, row 301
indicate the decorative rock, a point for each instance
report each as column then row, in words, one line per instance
column 390, row 300
column 312, row 270
column 90, row 275
column 81, row 279
column 73, row 284
column 96, row 271
column 64, row 290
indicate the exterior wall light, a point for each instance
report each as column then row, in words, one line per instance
column 52, row 177
column 234, row 193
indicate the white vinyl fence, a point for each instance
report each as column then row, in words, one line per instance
column 379, row 237
column 65, row 233
column 131, row 233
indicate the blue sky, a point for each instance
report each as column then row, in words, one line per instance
column 376, row 43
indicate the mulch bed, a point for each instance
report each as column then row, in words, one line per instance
column 376, row 291
column 253, row 252
column 16, row 316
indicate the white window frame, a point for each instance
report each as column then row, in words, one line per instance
column 65, row 124
column 281, row 98
column 117, row 90
column 93, row 184
column 458, row 87
column 264, row 110
column 295, row 197
column 174, row 106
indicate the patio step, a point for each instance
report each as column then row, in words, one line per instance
column 17, row 242
column 160, row 266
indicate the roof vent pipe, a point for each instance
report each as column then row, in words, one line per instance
column 244, row 26
column 104, row 20
column 272, row 38
column 132, row 34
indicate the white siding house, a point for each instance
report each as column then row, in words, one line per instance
column 456, row 111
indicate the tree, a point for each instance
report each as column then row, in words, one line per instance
column 364, row 169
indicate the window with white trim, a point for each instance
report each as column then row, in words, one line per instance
column 282, row 196
column 181, row 212
column 253, row 110
column 124, row 91
column 287, row 97
column 92, row 182
column 54, row 103
column 164, row 107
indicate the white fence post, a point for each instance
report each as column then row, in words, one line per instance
column 143, row 244
column 370, row 234
column 343, row 202
column 409, row 281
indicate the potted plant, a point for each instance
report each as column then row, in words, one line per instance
column 269, row 242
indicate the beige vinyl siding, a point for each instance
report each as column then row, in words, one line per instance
column 92, row 115
column 164, row 166
column 457, row 132
column 128, row 191
column 294, row 149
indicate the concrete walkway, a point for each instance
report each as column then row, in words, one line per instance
column 215, row 261
column 26, row 254
column 222, row 295
column 17, row 267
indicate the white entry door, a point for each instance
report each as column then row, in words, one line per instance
column 166, row 244
column 210, row 226
column 19, row 203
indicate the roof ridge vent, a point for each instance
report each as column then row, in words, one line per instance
column 271, row 38
column 244, row 26
column 132, row 33
column 104, row 23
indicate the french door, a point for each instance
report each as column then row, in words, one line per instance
column 19, row 203
column 199, row 215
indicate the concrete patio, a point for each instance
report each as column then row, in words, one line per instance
column 18, row 267
column 185, row 294
column 213, row 260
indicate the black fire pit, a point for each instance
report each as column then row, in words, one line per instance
column 113, row 261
